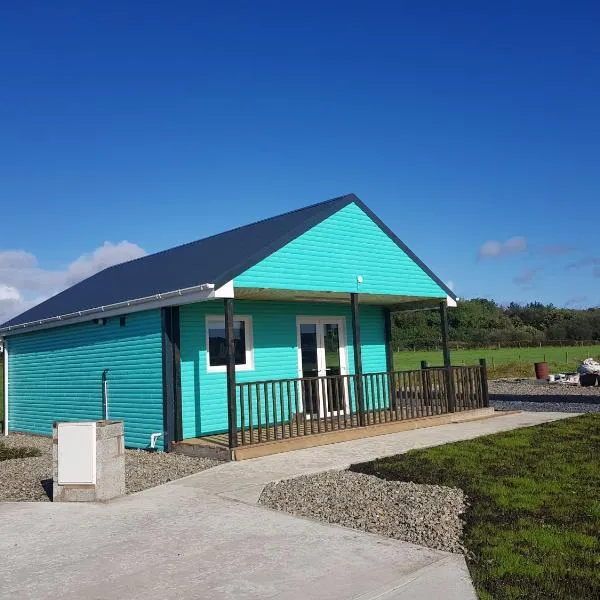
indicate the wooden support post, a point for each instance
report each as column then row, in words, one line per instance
column 231, row 395
column 360, row 399
column 389, row 357
column 447, row 361
column 171, row 376
column 389, row 351
column 484, row 382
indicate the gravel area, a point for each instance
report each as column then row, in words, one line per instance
column 526, row 394
column 428, row 515
column 144, row 470
column 30, row 479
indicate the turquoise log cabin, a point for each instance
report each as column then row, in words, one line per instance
column 275, row 331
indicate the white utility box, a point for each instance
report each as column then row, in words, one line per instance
column 77, row 453
column 88, row 461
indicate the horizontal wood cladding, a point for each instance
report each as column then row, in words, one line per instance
column 204, row 394
column 55, row 375
column 331, row 255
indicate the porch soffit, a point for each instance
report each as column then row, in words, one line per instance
column 395, row 302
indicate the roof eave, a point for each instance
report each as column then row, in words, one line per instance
column 198, row 293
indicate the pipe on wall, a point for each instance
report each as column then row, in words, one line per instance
column 104, row 395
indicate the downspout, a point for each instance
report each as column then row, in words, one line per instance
column 104, row 395
column 5, row 386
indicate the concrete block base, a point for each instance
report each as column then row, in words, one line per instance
column 110, row 467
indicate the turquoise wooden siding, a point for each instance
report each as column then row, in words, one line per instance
column 55, row 375
column 1, row 386
column 332, row 254
column 204, row 402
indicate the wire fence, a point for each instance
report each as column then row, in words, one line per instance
column 437, row 346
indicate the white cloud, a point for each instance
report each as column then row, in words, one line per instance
column 17, row 259
column 526, row 277
column 24, row 284
column 495, row 249
column 105, row 256
column 575, row 301
column 450, row 284
column 9, row 293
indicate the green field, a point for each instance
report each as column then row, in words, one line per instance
column 533, row 525
column 504, row 362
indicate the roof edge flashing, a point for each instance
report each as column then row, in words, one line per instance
column 197, row 293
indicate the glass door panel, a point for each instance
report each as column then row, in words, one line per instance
column 333, row 366
column 310, row 366
column 322, row 354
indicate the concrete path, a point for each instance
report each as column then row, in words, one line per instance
column 245, row 480
column 203, row 537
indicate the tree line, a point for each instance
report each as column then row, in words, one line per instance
column 480, row 322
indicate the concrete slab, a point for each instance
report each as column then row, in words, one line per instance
column 196, row 546
column 202, row 537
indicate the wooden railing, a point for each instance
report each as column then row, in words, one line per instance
column 286, row 408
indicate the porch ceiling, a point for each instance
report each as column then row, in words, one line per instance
column 393, row 301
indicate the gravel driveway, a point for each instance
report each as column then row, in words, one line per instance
column 526, row 394
column 30, row 479
column 428, row 515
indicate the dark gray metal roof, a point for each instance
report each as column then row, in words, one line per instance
column 216, row 259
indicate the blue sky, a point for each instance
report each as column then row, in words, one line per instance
column 472, row 129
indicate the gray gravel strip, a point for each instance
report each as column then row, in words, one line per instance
column 144, row 470
column 30, row 479
column 567, row 407
column 528, row 390
column 428, row 515
column 526, row 394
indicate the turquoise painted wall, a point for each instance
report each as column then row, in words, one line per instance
column 331, row 255
column 55, row 375
column 204, row 401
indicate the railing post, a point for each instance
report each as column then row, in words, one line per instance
column 425, row 382
column 447, row 361
column 484, row 382
column 360, row 400
column 231, row 391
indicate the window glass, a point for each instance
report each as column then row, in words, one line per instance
column 217, row 347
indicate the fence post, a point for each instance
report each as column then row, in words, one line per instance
column 484, row 382
column 425, row 381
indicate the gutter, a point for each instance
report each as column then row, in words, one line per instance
column 89, row 313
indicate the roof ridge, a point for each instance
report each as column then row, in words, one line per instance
column 214, row 235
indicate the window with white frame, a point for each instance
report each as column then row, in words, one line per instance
column 216, row 345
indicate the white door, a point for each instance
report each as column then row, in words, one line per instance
column 323, row 352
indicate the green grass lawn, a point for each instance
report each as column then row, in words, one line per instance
column 505, row 362
column 533, row 527
column 6, row 453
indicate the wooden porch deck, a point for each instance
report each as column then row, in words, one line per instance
column 216, row 446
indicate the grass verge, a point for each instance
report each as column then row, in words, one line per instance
column 504, row 362
column 533, row 527
column 8, row 452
